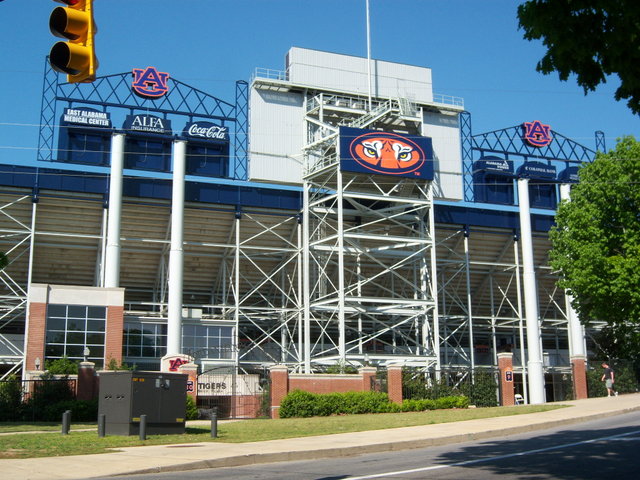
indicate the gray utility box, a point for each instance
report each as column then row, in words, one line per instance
column 125, row 396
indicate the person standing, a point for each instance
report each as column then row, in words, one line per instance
column 608, row 377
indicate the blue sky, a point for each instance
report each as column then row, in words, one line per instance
column 473, row 47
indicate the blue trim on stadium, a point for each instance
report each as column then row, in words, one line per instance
column 242, row 194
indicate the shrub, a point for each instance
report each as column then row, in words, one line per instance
column 61, row 366
column 298, row 403
column 192, row 409
column 81, row 411
column 10, row 399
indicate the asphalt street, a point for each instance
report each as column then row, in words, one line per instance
column 605, row 448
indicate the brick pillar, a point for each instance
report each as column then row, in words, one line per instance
column 113, row 337
column 36, row 335
column 579, row 370
column 191, row 369
column 87, row 386
column 394, row 383
column 367, row 374
column 507, row 393
column 279, row 375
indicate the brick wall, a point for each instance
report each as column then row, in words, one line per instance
column 579, row 370
column 507, row 392
column 113, row 336
column 36, row 335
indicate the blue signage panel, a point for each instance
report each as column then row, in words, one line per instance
column 88, row 117
column 147, row 124
column 569, row 175
column 206, row 131
column 495, row 165
column 537, row 171
column 385, row 153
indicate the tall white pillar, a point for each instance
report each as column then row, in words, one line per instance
column 112, row 260
column 576, row 330
column 176, row 253
column 534, row 348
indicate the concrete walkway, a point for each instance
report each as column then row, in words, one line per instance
column 167, row 458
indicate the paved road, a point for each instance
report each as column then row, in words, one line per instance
column 607, row 448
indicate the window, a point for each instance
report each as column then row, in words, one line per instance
column 72, row 328
column 144, row 341
column 208, row 341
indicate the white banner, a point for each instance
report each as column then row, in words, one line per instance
column 218, row 385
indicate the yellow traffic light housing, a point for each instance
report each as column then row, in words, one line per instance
column 75, row 57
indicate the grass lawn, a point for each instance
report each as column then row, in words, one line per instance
column 27, row 445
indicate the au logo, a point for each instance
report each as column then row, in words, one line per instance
column 175, row 364
column 387, row 153
column 149, row 83
column 537, row 134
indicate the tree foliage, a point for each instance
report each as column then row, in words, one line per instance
column 596, row 244
column 4, row 261
column 589, row 38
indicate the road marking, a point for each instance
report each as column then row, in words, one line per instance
column 489, row 459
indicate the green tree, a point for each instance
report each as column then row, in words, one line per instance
column 592, row 39
column 596, row 245
column 4, row 261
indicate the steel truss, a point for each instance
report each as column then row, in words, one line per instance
column 368, row 251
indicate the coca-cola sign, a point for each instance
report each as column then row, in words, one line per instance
column 207, row 130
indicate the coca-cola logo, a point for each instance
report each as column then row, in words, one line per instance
column 207, row 130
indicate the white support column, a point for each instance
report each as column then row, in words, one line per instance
column 32, row 246
column 434, row 283
column 342, row 350
column 467, row 262
column 523, row 355
column 576, row 330
column 535, row 370
column 176, row 254
column 306, row 281
column 112, row 261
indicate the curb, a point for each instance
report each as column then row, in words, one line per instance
column 257, row 458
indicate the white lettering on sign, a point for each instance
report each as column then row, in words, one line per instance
column 213, row 131
column 87, row 117
column 145, row 123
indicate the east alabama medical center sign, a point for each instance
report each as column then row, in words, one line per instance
column 88, row 117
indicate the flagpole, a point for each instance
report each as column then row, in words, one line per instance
column 369, row 53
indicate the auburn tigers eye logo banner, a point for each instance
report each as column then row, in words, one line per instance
column 386, row 153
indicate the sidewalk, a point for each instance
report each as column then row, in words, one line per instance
column 165, row 458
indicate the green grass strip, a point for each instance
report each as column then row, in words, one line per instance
column 25, row 445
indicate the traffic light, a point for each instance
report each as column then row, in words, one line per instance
column 75, row 57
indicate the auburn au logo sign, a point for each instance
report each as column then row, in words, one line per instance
column 537, row 134
column 149, row 83
column 386, row 153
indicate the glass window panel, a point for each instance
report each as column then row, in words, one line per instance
column 76, row 338
column 97, row 312
column 133, row 351
column 55, row 337
column 135, row 339
column 77, row 311
column 188, row 330
column 95, row 339
column 57, row 310
column 56, row 324
column 75, row 351
column 96, row 351
column 76, row 324
column 148, row 352
column 96, row 325
column 54, row 350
